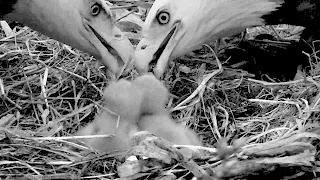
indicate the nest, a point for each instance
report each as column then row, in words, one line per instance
column 250, row 128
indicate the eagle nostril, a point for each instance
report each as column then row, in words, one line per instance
column 117, row 35
column 143, row 47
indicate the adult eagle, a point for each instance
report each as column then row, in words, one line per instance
column 84, row 24
column 175, row 27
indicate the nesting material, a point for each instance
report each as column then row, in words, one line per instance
column 135, row 106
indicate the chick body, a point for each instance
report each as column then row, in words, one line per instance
column 163, row 126
column 155, row 94
column 154, row 116
column 124, row 99
column 124, row 102
column 137, row 105
column 107, row 124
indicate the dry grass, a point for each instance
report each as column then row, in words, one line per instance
column 49, row 90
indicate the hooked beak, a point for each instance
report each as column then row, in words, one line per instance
column 157, row 49
column 114, row 49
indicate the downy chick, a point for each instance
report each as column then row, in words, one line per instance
column 107, row 124
column 124, row 100
column 155, row 118
column 163, row 126
column 155, row 94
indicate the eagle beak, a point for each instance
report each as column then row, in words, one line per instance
column 157, row 48
column 114, row 49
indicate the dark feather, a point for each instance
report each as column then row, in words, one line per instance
column 6, row 6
